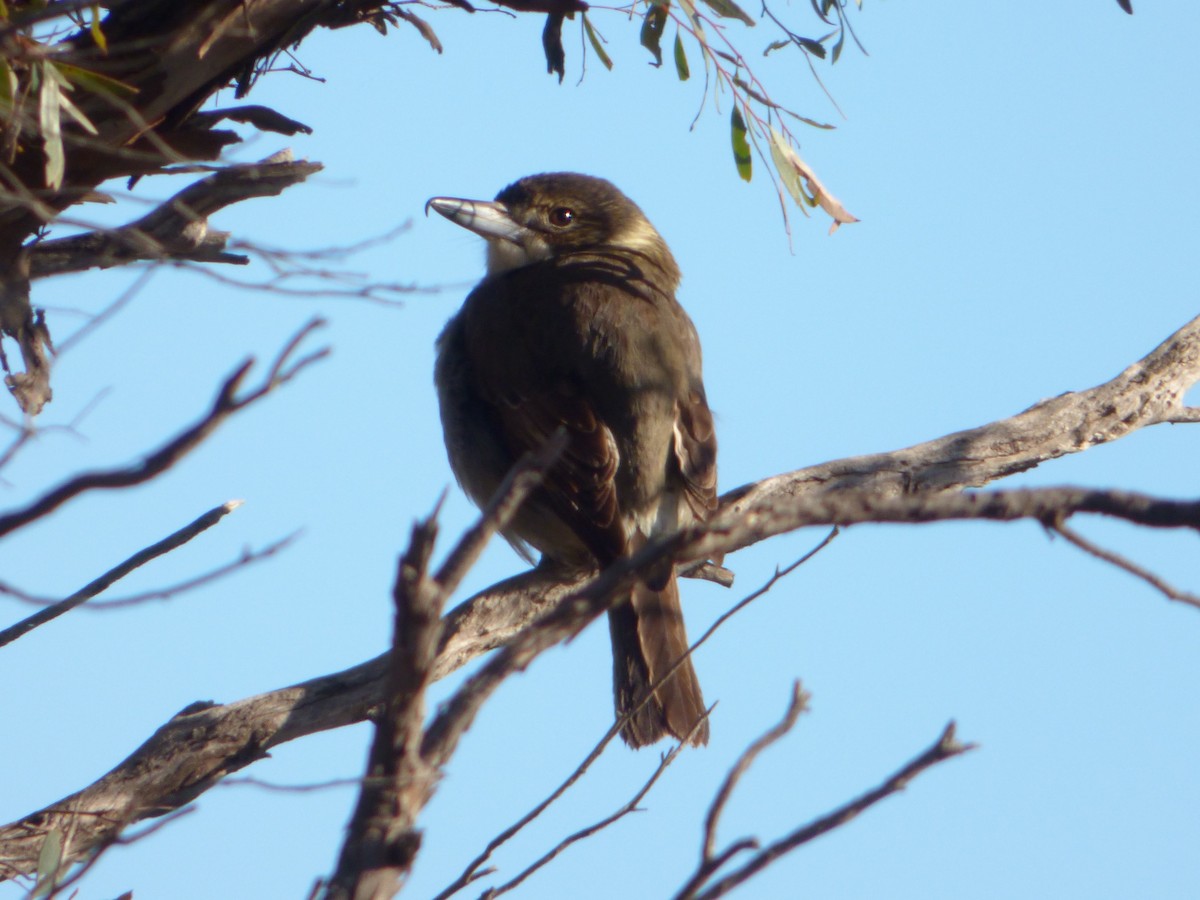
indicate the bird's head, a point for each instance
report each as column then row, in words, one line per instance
column 547, row 216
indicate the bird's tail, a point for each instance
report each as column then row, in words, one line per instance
column 648, row 638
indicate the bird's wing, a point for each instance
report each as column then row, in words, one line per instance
column 581, row 487
column 696, row 453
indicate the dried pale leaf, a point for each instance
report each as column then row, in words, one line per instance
column 729, row 10
column 51, row 127
column 652, row 29
column 77, row 114
column 423, row 28
column 689, row 10
column 50, row 70
column 787, row 172
column 97, row 34
column 681, row 63
column 815, row 192
column 597, row 43
column 741, row 147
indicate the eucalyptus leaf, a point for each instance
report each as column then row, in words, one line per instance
column 49, row 859
column 681, row 63
column 741, row 147
column 595, row 41
column 729, row 10
column 51, row 128
column 652, row 29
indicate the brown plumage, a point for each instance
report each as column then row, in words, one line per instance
column 576, row 326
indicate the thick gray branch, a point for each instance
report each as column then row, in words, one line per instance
column 199, row 747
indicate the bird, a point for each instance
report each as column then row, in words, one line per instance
column 575, row 327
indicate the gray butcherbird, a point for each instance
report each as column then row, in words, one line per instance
column 576, row 326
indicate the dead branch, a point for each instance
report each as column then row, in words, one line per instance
column 115, row 574
column 944, row 748
column 247, row 556
column 1128, row 565
column 710, row 859
column 630, row 806
column 472, row 872
column 227, row 402
column 198, row 747
column 382, row 840
column 177, row 229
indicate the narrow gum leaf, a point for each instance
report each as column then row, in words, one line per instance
column 97, row 34
column 51, row 127
column 787, row 173
column 594, row 39
column 681, row 63
column 813, row 191
column 727, row 9
column 741, row 147
column 652, row 29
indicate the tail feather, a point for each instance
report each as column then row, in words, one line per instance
column 648, row 638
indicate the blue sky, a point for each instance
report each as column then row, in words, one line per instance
column 1029, row 202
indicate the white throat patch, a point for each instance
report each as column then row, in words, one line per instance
column 503, row 256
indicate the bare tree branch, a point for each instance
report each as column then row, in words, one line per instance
column 227, row 402
column 1167, row 590
column 583, row 833
column 944, row 748
column 247, row 557
column 472, row 871
column 382, row 840
column 199, row 746
column 177, row 229
column 101, row 584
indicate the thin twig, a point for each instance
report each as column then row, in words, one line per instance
column 629, row 807
column 101, row 584
column 283, row 370
column 245, row 558
column 471, row 872
column 796, row 705
column 1167, row 590
column 944, row 748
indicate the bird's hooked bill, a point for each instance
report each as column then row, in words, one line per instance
column 487, row 219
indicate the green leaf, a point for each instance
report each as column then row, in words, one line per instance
column 741, row 147
column 816, row 48
column 776, row 45
column 837, row 47
column 596, row 44
column 729, row 10
column 97, row 34
column 50, row 856
column 681, row 63
column 8, row 82
column 652, row 29
column 94, row 81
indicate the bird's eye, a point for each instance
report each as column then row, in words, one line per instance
column 562, row 216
